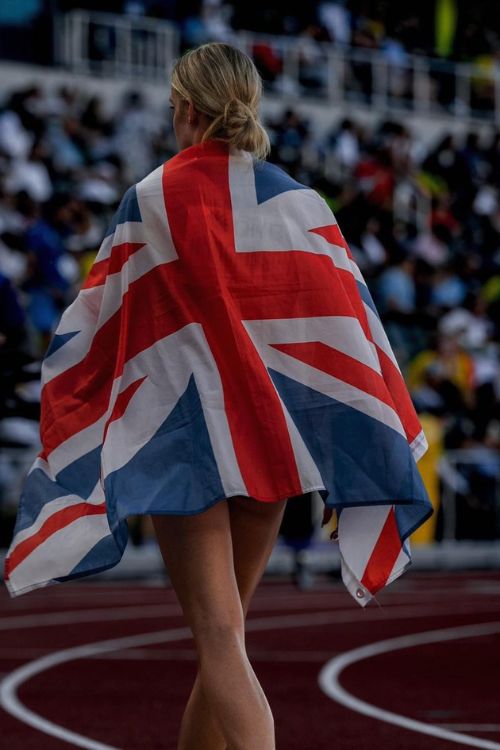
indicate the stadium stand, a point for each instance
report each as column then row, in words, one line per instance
column 422, row 219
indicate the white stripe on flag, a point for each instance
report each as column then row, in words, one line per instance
column 332, row 387
column 256, row 227
column 336, row 331
column 81, row 317
column 189, row 350
column 76, row 446
column 358, row 531
column 128, row 231
column 117, row 284
column 48, row 510
column 310, row 478
column 131, row 232
column 46, row 561
column 379, row 335
column 402, row 562
column 154, row 215
column 419, row 446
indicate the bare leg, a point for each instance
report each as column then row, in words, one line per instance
column 254, row 527
column 198, row 552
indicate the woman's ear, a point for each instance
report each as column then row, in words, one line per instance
column 192, row 114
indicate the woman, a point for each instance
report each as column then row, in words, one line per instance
column 222, row 356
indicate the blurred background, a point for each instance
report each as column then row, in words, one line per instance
column 390, row 110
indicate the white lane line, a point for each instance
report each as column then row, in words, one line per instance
column 49, row 599
column 89, row 615
column 10, row 702
column 9, row 686
column 472, row 727
column 16, row 620
column 177, row 654
column 383, row 614
column 330, row 684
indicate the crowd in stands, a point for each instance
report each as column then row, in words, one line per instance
column 447, row 28
column 422, row 224
column 292, row 43
column 444, row 28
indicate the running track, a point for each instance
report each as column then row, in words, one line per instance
column 421, row 672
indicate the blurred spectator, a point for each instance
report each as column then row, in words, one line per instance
column 312, row 59
column 50, row 270
column 344, row 144
column 289, row 135
column 423, row 224
column 134, row 136
column 445, row 372
column 31, row 175
column 335, row 17
column 12, row 317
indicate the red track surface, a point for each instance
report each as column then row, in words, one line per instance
column 133, row 698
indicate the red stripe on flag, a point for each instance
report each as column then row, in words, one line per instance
column 54, row 523
column 341, row 366
column 214, row 277
column 102, row 268
column 397, row 387
column 334, row 236
column 383, row 556
column 79, row 396
column 122, row 401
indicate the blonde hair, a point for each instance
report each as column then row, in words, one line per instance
column 224, row 84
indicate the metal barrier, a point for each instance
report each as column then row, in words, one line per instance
column 115, row 46
column 412, row 84
column 472, row 475
column 145, row 48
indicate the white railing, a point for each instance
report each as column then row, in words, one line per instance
column 116, row 46
column 343, row 75
column 145, row 48
column 456, row 474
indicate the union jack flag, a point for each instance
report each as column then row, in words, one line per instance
column 224, row 343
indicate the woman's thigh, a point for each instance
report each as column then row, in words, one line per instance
column 198, row 554
column 254, row 528
column 215, row 559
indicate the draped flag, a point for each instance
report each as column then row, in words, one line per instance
column 224, row 343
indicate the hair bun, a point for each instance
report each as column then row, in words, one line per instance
column 236, row 115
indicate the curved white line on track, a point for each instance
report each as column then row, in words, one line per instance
column 10, row 684
column 16, row 622
column 330, row 674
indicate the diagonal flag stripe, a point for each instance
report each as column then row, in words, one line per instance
column 341, row 366
column 119, row 256
column 52, row 525
column 384, row 555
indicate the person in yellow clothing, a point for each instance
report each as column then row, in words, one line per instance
column 441, row 381
column 428, row 466
column 446, row 365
